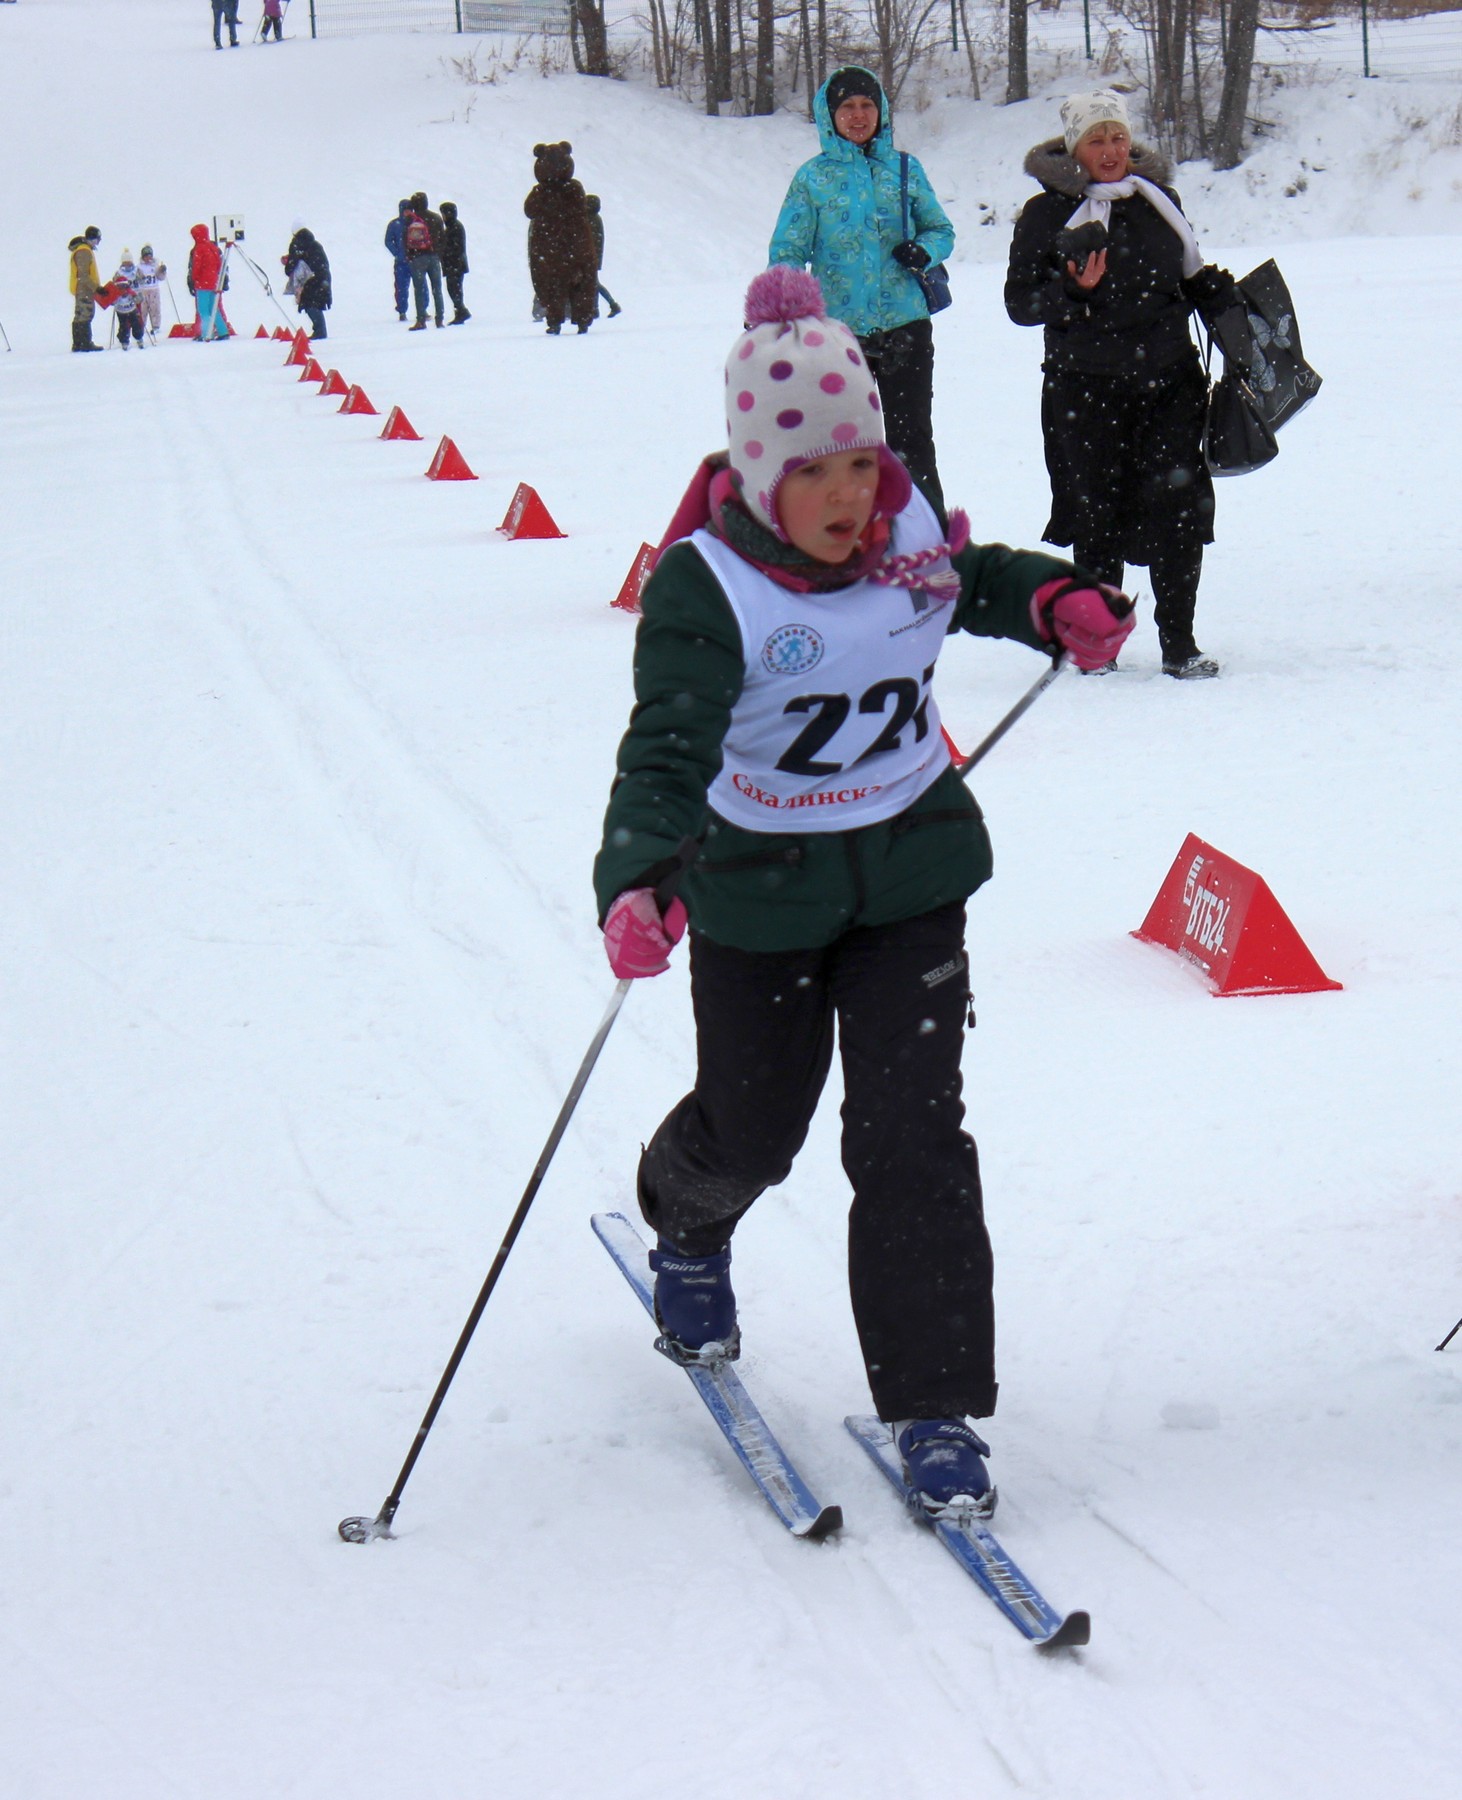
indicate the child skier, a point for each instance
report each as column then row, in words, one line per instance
column 785, row 718
column 127, row 302
column 151, row 274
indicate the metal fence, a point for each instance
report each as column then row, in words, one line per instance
column 1359, row 38
column 353, row 18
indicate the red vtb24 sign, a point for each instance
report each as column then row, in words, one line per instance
column 1216, row 913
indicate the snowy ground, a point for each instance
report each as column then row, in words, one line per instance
column 304, row 773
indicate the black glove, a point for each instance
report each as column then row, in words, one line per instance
column 909, row 255
column 1076, row 246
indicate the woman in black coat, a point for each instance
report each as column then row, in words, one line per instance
column 308, row 268
column 454, row 261
column 1105, row 262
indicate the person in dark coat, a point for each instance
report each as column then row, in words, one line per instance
column 560, row 245
column 596, row 231
column 1125, row 395
column 226, row 12
column 424, row 253
column 454, row 261
column 400, row 267
column 308, row 268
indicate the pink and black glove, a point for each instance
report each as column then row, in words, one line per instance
column 1089, row 620
column 637, row 940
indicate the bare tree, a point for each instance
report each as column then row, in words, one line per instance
column 974, row 61
column 1238, row 72
column 903, row 32
column 586, row 17
column 1017, row 70
column 764, row 98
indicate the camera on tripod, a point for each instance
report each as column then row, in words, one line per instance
column 228, row 228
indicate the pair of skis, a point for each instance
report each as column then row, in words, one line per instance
column 973, row 1545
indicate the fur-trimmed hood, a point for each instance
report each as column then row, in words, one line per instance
column 1053, row 165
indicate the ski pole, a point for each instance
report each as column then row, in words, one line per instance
column 1022, row 706
column 173, row 297
column 6, row 335
column 1450, row 1335
column 362, row 1530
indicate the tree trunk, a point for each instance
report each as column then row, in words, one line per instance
column 1238, row 70
column 704, row 32
column 723, row 49
column 970, row 53
column 1017, row 75
column 590, row 17
column 765, row 99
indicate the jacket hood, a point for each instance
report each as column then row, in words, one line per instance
column 200, row 234
column 449, row 209
column 879, row 145
column 1053, row 165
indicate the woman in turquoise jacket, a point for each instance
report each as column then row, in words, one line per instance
column 844, row 217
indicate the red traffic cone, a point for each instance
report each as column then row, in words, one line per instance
column 282, row 334
column 528, row 517
column 335, row 383
column 399, row 428
column 261, row 333
column 1221, row 916
column 449, row 464
column 355, row 402
column 299, row 351
column 312, row 370
column 628, row 597
column 182, row 330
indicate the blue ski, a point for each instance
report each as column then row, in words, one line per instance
column 727, row 1400
column 981, row 1555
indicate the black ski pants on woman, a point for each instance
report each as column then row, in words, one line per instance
column 902, row 364
column 919, row 1263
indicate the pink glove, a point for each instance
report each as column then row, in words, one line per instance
column 1091, row 622
column 636, row 939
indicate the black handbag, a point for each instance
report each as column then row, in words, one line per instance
column 1283, row 382
column 1265, row 379
column 1237, row 438
column 933, row 281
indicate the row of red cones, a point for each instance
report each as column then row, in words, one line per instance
column 526, row 517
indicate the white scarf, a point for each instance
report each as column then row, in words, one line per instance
column 1098, row 205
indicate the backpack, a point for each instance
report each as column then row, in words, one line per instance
column 418, row 236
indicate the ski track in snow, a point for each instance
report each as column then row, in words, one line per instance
column 305, row 771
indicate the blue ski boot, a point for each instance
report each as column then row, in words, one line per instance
column 694, row 1306
column 944, row 1469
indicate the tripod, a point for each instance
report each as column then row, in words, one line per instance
column 258, row 274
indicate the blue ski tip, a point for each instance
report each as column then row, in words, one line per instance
column 980, row 1554
column 727, row 1401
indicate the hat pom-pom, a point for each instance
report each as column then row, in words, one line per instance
column 782, row 295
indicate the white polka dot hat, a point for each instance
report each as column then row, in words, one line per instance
column 797, row 388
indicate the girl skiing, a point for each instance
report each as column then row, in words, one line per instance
column 785, row 723
column 151, row 274
column 127, row 301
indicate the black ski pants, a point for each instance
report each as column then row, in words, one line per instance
column 902, row 361
column 919, row 1262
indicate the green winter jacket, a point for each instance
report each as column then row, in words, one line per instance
column 761, row 890
column 843, row 216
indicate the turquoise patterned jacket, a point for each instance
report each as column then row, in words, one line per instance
column 842, row 216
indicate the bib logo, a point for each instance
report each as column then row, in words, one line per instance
column 792, row 651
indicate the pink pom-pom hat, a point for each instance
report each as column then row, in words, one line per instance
column 797, row 387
